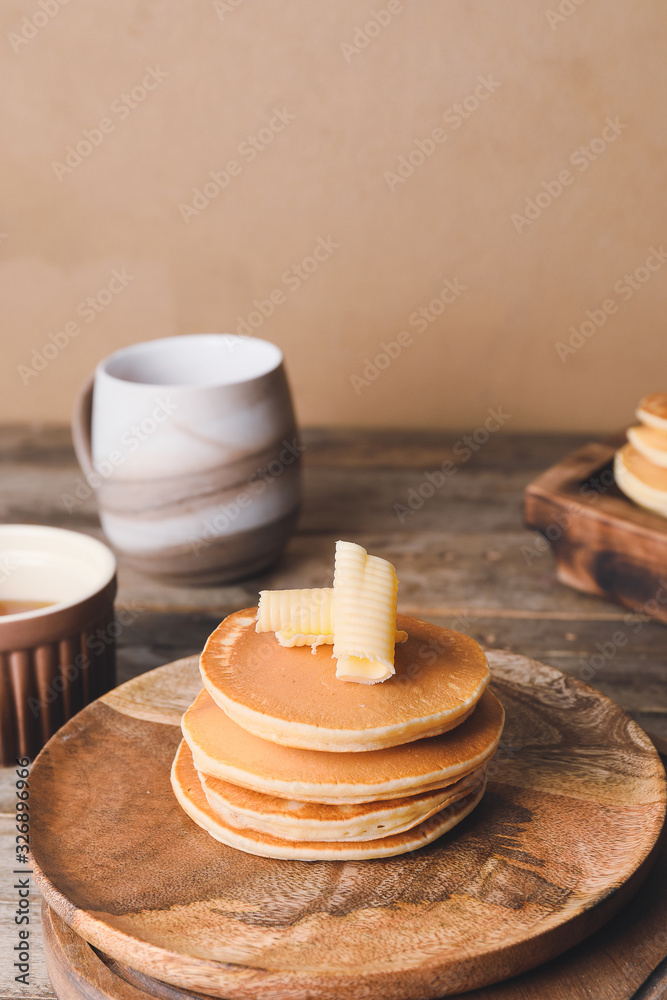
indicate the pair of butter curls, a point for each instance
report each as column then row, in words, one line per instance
column 357, row 615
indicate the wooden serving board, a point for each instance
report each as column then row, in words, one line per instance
column 565, row 834
column 603, row 542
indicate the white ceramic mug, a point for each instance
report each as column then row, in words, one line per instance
column 191, row 446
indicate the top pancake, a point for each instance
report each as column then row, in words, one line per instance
column 291, row 696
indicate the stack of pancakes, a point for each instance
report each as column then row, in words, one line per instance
column 282, row 759
column 640, row 467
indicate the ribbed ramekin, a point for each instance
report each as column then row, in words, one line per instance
column 56, row 659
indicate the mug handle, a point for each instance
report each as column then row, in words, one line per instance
column 81, row 425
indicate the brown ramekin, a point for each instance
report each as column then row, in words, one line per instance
column 56, row 659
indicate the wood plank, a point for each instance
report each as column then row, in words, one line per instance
column 360, row 498
column 427, row 449
column 480, row 510
column 36, row 444
column 378, row 468
column 438, row 572
column 39, row 985
column 342, row 446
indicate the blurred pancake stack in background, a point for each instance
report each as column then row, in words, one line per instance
column 640, row 466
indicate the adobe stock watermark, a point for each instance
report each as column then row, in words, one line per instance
column 424, row 148
column 582, row 157
column 119, row 111
column 464, row 449
column 87, row 310
column 96, row 643
column 429, row 652
column 564, row 11
column 224, row 7
column 508, row 751
column 291, row 279
column 367, row 32
column 248, row 150
column 131, row 441
column 595, row 487
column 635, row 620
column 651, row 947
column 625, row 287
column 419, row 320
column 257, row 483
column 30, row 26
column 6, row 568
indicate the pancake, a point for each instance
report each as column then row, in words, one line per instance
column 190, row 794
column 650, row 443
column 224, row 750
column 652, row 411
column 293, row 820
column 640, row 480
column 292, row 696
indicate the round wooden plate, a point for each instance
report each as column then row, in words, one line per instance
column 564, row 835
column 78, row 972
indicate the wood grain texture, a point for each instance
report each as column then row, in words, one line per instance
column 579, row 975
column 75, row 970
column 562, row 838
column 79, row 972
column 604, row 543
column 475, row 578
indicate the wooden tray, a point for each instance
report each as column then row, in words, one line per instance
column 565, row 834
column 603, row 542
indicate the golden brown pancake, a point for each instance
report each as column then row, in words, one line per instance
column 291, row 696
column 290, row 819
column 652, row 411
column 224, row 750
column 190, row 794
column 639, row 479
column 650, row 443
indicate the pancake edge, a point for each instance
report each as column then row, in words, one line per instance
column 286, row 850
column 651, row 454
column 337, row 793
column 651, row 419
column 633, row 487
column 304, row 736
column 397, row 820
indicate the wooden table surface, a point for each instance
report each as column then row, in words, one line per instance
column 464, row 560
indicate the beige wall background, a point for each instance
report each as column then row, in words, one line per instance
column 181, row 89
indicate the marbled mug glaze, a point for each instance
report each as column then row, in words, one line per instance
column 191, row 446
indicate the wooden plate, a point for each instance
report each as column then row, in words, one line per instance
column 564, row 835
column 78, row 972
column 604, row 543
